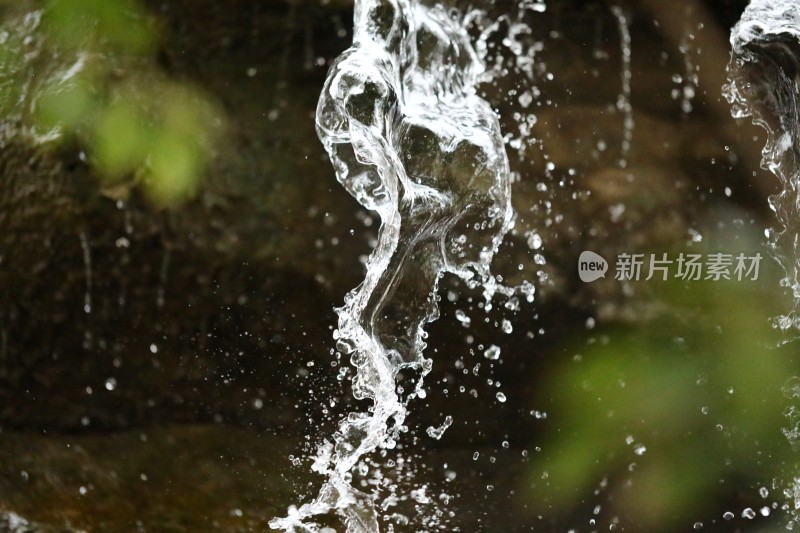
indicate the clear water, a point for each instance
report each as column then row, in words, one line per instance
column 410, row 139
column 764, row 71
column 764, row 85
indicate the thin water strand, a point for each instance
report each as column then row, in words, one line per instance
column 624, row 100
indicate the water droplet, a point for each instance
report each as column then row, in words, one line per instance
column 462, row 317
column 437, row 432
column 492, row 353
column 534, row 241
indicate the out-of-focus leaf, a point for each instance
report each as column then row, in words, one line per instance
column 668, row 410
column 116, row 24
column 120, row 140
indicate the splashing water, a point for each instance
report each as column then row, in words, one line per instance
column 410, row 139
column 763, row 74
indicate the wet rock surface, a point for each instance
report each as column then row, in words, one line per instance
column 197, row 478
column 97, row 287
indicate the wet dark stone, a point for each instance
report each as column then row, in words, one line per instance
column 189, row 313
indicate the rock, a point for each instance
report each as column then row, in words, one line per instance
column 118, row 298
column 184, row 478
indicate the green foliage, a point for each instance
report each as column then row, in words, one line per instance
column 104, row 25
column 102, row 87
column 665, row 415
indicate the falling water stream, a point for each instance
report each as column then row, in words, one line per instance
column 764, row 72
column 765, row 85
column 410, row 139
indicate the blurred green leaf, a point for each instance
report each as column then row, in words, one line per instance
column 120, row 139
column 668, row 410
column 88, row 73
column 66, row 106
column 118, row 25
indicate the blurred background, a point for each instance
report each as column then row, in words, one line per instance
column 173, row 242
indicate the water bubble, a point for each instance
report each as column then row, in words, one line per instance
column 500, row 397
column 111, row 384
column 727, row 515
column 748, row 513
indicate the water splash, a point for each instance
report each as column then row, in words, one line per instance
column 763, row 74
column 410, row 139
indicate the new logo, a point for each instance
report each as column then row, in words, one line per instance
column 591, row 267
